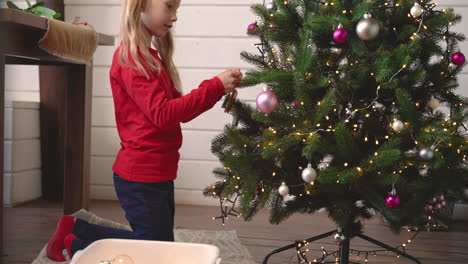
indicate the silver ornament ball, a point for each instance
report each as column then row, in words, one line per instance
column 426, row 154
column 367, row 28
column 398, row 126
column 309, row 174
column 416, row 10
column 283, row 190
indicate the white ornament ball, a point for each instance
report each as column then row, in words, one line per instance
column 312, row 46
column 339, row 238
column 122, row 259
column 325, row 162
column 433, row 103
column 412, row 152
column 283, row 190
column 416, row 10
column 335, row 50
column 367, row 28
column 424, row 172
column 398, row 126
column 309, row 174
column 271, row 6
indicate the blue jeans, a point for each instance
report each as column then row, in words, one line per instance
column 149, row 208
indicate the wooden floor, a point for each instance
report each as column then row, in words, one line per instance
column 28, row 228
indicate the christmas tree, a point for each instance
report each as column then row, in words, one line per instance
column 359, row 116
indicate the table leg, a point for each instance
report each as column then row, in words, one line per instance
column 77, row 138
column 53, row 83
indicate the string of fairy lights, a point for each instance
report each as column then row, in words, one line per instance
column 334, row 255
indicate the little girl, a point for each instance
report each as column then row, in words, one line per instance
column 149, row 108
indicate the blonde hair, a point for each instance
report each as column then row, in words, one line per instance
column 133, row 44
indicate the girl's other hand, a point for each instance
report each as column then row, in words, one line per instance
column 231, row 79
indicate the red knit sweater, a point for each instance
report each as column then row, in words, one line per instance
column 148, row 115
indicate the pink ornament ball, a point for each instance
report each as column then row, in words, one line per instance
column 458, row 58
column 296, row 103
column 340, row 35
column 267, row 102
column 252, row 28
column 392, row 201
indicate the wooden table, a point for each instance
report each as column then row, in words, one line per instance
column 65, row 109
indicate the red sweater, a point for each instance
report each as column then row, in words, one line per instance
column 148, row 116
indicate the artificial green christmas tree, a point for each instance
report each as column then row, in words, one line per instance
column 360, row 115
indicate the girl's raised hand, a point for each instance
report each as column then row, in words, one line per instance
column 231, row 79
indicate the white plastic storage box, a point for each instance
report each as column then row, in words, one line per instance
column 124, row 251
column 22, row 153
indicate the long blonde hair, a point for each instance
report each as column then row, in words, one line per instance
column 133, row 43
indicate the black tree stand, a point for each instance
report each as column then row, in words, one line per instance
column 344, row 248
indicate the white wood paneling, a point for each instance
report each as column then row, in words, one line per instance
column 197, row 145
column 22, row 155
column 26, row 154
column 197, row 53
column 101, row 170
column 26, row 186
column 463, row 82
column 207, row 20
column 104, row 141
column 20, row 4
column 15, row 78
column 26, row 124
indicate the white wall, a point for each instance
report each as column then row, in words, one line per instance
column 210, row 35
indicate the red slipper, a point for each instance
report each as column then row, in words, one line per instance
column 68, row 241
column 56, row 242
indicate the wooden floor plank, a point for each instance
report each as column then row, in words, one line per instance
column 28, row 227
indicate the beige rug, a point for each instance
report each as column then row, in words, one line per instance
column 231, row 250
